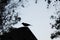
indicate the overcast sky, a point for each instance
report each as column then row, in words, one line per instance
column 39, row 17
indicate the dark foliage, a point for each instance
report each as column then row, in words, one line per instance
column 6, row 17
column 56, row 25
column 55, row 35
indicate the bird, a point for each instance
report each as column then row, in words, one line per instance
column 36, row 1
column 26, row 24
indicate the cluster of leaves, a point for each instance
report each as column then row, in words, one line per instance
column 9, row 20
column 8, row 17
column 3, row 3
column 56, row 25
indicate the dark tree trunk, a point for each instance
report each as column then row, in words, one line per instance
column 23, row 33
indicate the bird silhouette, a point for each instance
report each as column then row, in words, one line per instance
column 26, row 24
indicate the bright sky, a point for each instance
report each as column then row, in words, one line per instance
column 39, row 17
